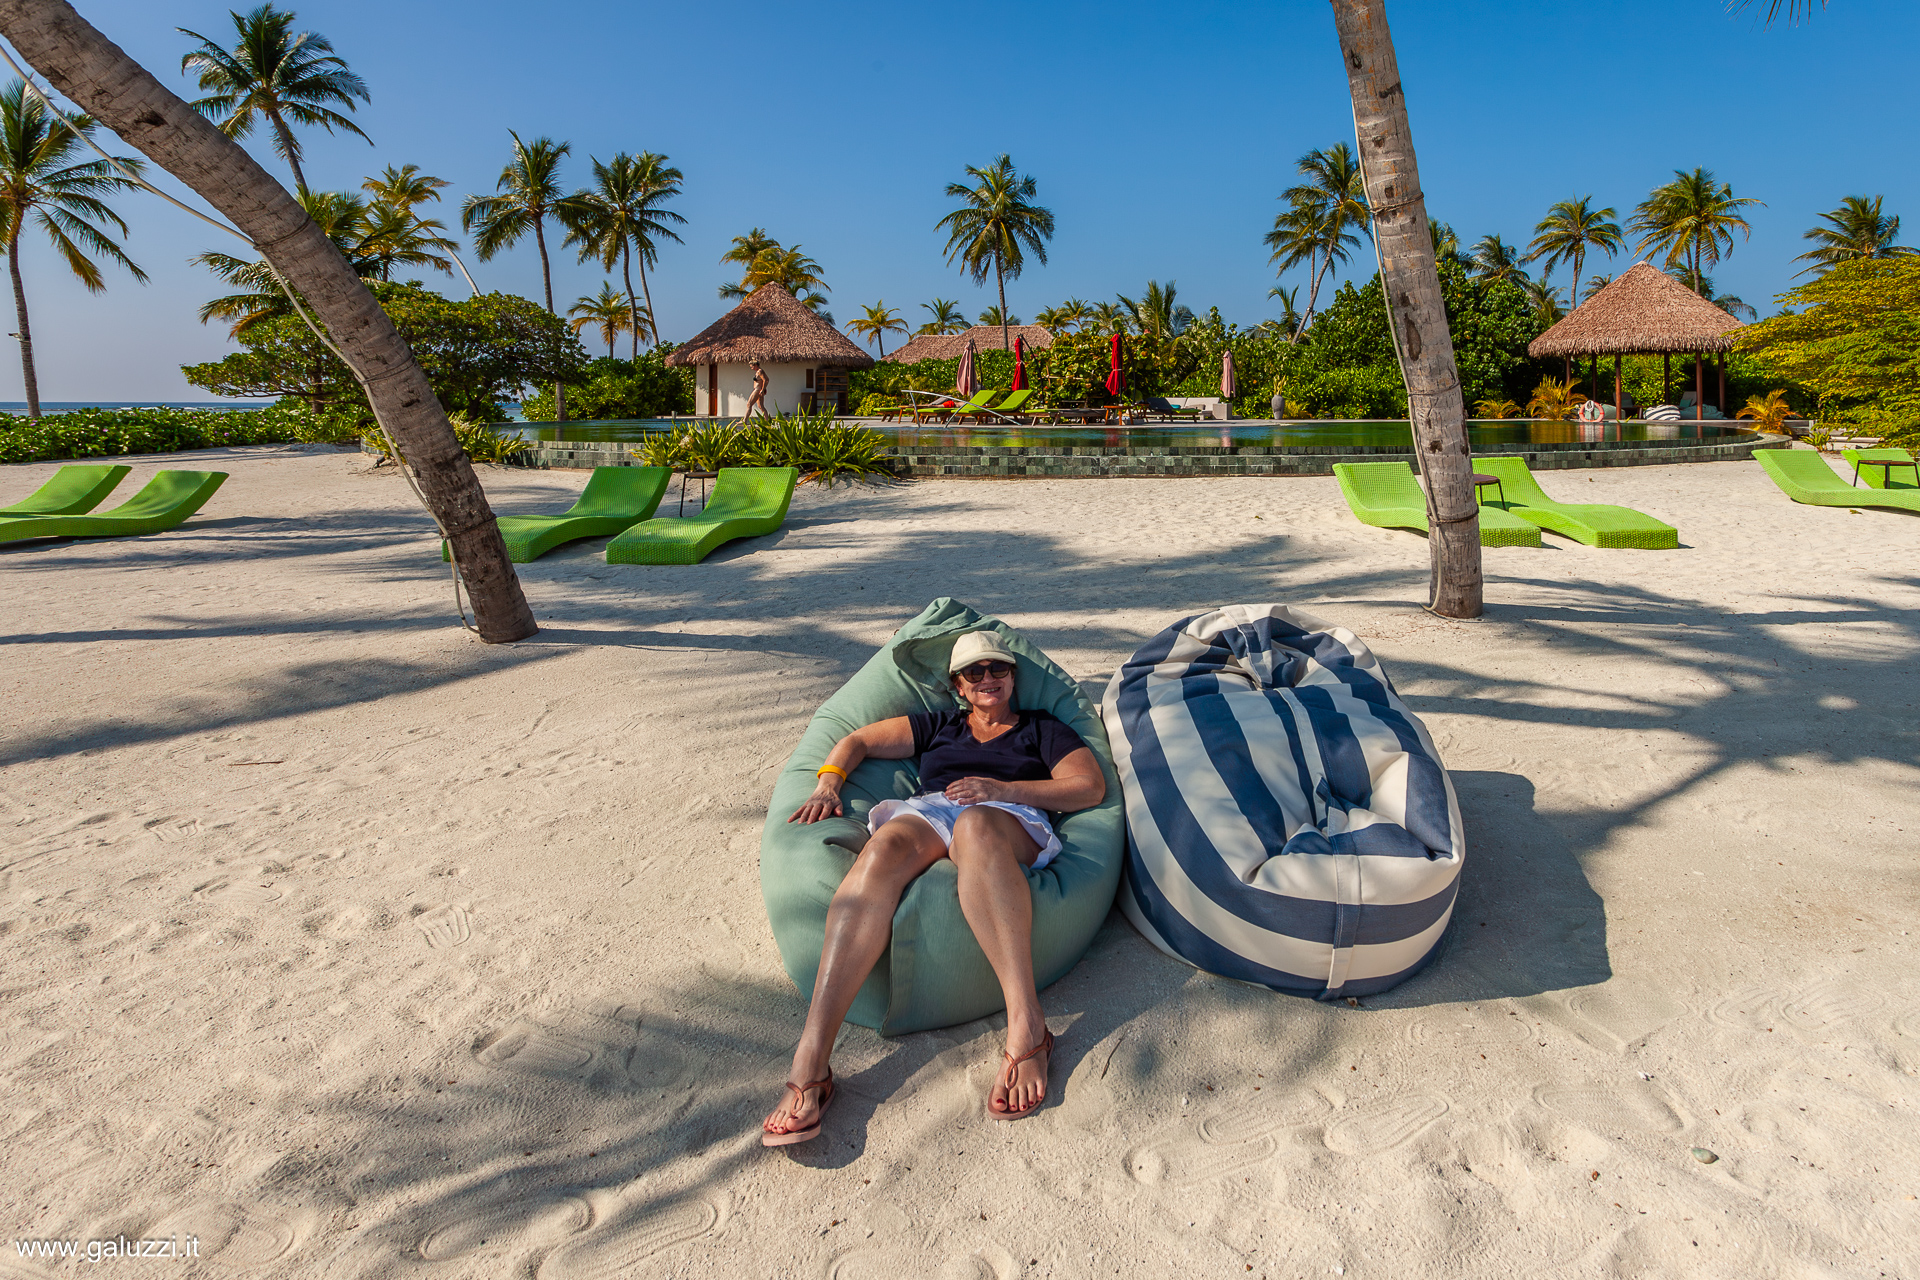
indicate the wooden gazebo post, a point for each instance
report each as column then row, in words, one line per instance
column 1699, row 386
column 1619, row 405
column 1666, row 377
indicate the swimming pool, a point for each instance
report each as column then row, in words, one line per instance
column 1482, row 434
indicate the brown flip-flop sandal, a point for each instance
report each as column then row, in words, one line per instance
column 1006, row 1074
column 768, row 1138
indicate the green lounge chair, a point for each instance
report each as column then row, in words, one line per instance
column 615, row 500
column 1804, row 476
column 1597, row 524
column 1385, row 494
column 1006, row 408
column 746, row 502
column 168, row 499
column 1899, row 476
column 974, row 404
column 72, row 490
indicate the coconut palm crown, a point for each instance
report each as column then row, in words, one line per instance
column 1857, row 229
column 946, row 317
column 1692, row 220
column 275, row 76
column 610, row 312
column 875, row 322
column 1322, row 214
column 996, row 227
column 620, row 218
column 529, row 194
column 40, row 182
column 1570, row 230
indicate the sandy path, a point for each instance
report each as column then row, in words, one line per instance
column 355, row 948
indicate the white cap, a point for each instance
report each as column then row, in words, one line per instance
column 975, row 646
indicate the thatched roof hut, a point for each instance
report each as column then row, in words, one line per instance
column 986, row 337
column 771, row 325
column 1643, row 312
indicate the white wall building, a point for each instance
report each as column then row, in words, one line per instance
column 806, row 359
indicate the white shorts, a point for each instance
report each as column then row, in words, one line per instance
column 941, row 813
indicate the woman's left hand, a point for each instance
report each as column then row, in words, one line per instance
column 978, row 790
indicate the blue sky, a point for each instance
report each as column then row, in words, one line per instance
column 1160, row 135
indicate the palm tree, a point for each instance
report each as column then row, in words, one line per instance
column 1596, row 282
column 1768, row 412
column 94, row 72
column 1545, row 300
column 1856, row 230
column 1570, row 229
column 1797, row 11
column 405, row 188
column 612, row 313
column 373, row 238
column 1692, row 219
column 1410, row 283
column 529, row 190
column 946, row 317
column 1109, row 317
column 748, row 247
column 1289, row 308
column 1495, row 259
column 789, row 268
column 38, row 178
column 996, row 227
column 876, row 322
column 275, row 76
column 1446, row 244
column 1157, row 312
column 620, row 218
column 1322, row 213
column 1066, row 317
column 991, row 318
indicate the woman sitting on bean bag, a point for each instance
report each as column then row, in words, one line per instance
column 989, row 775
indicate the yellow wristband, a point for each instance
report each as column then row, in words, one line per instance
column 833, row 768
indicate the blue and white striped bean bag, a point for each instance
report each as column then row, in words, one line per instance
column 1288, row 820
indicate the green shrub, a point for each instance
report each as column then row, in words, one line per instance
column 480, row 441
column 614, row 390
column 825, row 451
column 108, row 433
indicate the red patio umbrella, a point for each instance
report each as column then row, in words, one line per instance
column 1019, row 366
column 1116, row 381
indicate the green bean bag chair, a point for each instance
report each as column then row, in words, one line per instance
column 933, row 973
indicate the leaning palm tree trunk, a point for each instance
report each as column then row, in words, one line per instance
column 1414, row 303
column 97, row 74
column 29, row 379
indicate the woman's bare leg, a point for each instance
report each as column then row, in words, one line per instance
column 991, row 851
column 859, row 923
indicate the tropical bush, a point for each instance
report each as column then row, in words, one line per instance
column 108, row 433
column 1855, row 348
column 474, row 353
column 614, row 389
column 825, row 451
column 1555, row 400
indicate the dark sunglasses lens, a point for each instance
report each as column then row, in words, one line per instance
column 981, row 670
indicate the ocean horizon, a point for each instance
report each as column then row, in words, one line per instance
column 69, row 406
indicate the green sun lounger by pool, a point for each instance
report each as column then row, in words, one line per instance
column 746, row 502
column 1010, row 405
column 615, row 500
column 1597, row 524
column 1386, row 495
column 1804, row 476
column 1899, row 476
column 72, row 491
column 168, row 499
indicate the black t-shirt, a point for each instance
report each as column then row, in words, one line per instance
column 1027, row 752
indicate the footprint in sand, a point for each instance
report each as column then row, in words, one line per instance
column 1608, row 1109
column 1258, row 1119
column 534, row 1049
column 1615, row 1015
column 988, row 1263
column 628, row 1240
column 656, row 1062
column 234, row 1235
column 1385, row 1125
column 517, row 1224
column 243, row 893
column 1750, row 1010
column 1187, row 1159
column 1828, row 1003
column 445, row 926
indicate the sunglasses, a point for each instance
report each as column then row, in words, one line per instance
column 981, row 670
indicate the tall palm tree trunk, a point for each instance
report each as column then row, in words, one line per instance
column 1414, row 303
column 1578, row 258
column 27, row 375
column 288, row 149
column 546, row 281
column 647, row 293
column 633, row 303
column 94, row 72
column 1000, row 278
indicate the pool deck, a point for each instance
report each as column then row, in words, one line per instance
column 1099, row 461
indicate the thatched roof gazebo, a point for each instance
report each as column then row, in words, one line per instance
column 1644, row 311
column 986, row 337
column 806, row 359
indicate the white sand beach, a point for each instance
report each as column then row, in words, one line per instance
column 354, row 947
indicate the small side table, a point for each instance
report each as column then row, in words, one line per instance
column 703, row 477
column 1481, row 480
column 1886, row 466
